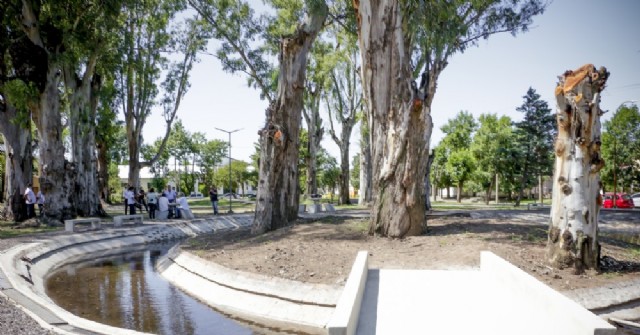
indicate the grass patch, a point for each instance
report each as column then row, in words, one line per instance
column 11, row 229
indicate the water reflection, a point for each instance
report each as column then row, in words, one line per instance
column 125, row 291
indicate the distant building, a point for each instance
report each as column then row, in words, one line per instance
column 145, row 176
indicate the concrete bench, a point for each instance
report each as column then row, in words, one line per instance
column 329, row 208
column 536, row 206
column 119, row 219
column 186, row 213
column 69, row 225
column 302, row 208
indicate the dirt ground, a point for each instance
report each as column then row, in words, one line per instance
column 323, row 250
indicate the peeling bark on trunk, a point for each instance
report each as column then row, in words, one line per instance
column 83, row 141
column 344, row 171
column 365, row 196
column 314, row 124
column 18, row 166
column 56, row 174
column 400, row 120
column 278, row 191
column 573, row 228
column 103, row 173
column 427, row 182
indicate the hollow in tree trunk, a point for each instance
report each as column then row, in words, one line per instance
column 575, row 208
column 278, row 191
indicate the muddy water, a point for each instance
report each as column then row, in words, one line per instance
column 125, row 291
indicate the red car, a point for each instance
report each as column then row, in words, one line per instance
column 623, row 200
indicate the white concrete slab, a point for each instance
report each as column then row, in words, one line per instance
column 345, row 317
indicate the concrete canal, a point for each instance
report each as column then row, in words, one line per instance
column 125, row 291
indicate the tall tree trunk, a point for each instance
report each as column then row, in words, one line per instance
column 399, row 117
column 344, row 169
column 83, row 140
column 278, row 191
column 315, row 131
column 487, row 196
column 103, row 172
column 523, row 178
column 497, row 189
column 573, row 230
column 57, row 175
column 18, row 162
column 540, row 195
column 459, row 192
column 427, row 181
column 366, row 191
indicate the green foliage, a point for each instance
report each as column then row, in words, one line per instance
column 20, row 94
column 461, row 165
column 239, row 175
column 621, row 149
column 329, row 174
column 246, row 42
column 115, row 186
column 535, row 134
column 438, row 29
column 492, row 148
column 355, row 172
column 458, row 131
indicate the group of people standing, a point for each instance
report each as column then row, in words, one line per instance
column 154, row 202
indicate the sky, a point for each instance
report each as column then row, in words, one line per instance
column 490, row 78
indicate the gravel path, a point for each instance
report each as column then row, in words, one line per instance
column 13, row 321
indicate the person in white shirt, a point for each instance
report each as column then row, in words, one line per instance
column 152, row 198
column 40, row 200
column 163, row 206
column 130, row 197
column 184, row 206
column 30, row 200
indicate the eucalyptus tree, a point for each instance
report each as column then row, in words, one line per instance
column 15, row 123
column 573, row 229
column 315, row 87
column 292, row 33
column 50, row 41
column 110, row 136
column 17, row 149
column 278, row 191
column 146, row 37
column 398, row 40
column 344, row 101
column 535, row 135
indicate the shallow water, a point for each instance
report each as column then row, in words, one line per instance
column 125, row 291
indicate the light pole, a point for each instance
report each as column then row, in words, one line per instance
column 230, row 189
column 615, row 156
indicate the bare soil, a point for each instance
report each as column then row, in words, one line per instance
column 323, row 250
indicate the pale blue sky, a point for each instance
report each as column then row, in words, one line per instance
column 490, row 78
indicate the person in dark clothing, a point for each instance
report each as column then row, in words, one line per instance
column 213, row 195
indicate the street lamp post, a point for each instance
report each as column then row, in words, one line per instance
column 230, row 192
